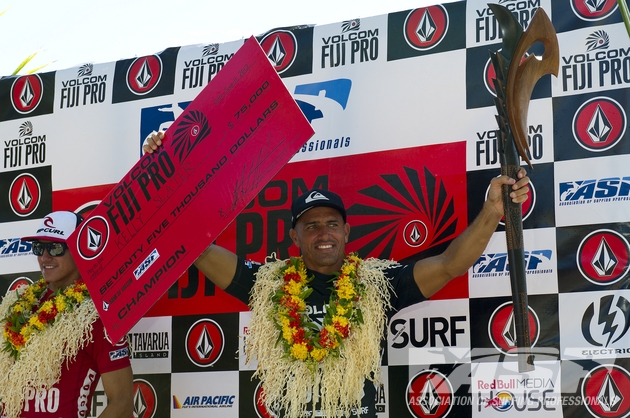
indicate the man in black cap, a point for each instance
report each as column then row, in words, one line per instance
column 280, row 307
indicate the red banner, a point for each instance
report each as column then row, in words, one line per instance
column 231, row 140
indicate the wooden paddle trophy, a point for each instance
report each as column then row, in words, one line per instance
column 515, row 80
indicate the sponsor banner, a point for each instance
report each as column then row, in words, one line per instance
column 350, row 43
column 243, row 326
column 205, row 343
column 151, row 396
column 490, row 274
column 26, row 95
column 596, row 388
column 570, row 15
column 10, row 282
column 599, row 194
column 482, row 27
column 85, row 86
column 131, row 249
column 25, row 194
column 591, row 125
column 437, row 390
column 150, row 341
column 426, row 30
column 594, row 325
column 593, row 257
column 145, row 77
column 499, row 388
column 24, row 146
column 290, row 49
column 435, row 332
column 493, row 332
column 480, row 91
column 537, row 211
column 198, row 64
column 482, row 150
column 599, row 61
column 200, row 395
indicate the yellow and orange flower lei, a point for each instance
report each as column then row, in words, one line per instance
column 28, row 315
column 301, row 337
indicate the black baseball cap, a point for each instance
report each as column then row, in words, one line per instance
column 315, row 198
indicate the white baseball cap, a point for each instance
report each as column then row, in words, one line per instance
column 56, row 227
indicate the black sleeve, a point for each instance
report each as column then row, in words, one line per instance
column 406, row 291
column 243, row 280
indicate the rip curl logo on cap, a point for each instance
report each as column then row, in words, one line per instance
column 144, row 74
column 502, row 328
column 205, row 342
column 599, row 124
column 281, row 48
column 25, row 194
column 426, row 27
column 593, row 10
column 144, row 399
column 429, row 393
column 26, row 93
column 93, row 237
column 603, row 257
column 606, row 391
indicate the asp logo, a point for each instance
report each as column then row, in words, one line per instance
column 426, row 27
column 144, row 74
column 144, row 399
column 599, row 124
column 26, row 93
column 316, row 99
column 603, row 257
column 205, row 342
column 502, row 329
column 606, row 391
column 429, row 393
column 93, row 237
column 281, row 47
column 593, row 10
column 25, row 194
column 605, row 322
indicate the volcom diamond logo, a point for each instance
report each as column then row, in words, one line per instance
column 281, row 48
column 144, row 74
column 205, row 342
column 426, row 27
column 93, row 237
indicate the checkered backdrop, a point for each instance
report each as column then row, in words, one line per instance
column 402, row 106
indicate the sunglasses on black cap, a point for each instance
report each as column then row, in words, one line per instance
column 55, row 249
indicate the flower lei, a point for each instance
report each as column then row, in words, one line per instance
column 28, row 315
column 301, row 337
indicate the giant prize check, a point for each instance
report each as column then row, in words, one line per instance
column 230, row 141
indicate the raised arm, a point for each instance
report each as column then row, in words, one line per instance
column 218, row 265
column 118, row 386
column 432, row 273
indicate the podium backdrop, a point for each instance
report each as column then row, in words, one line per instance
column 402, row 107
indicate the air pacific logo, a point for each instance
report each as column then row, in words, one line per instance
column 502, row 329
column 593, row 10
column 429, row 393
column 25, row 194
column 144, row 74
column 205, row 342
column 603, row 257
column 607, row 321
column 26, row 93
column 599, row 124
column 93, row 237
column 425, row 28
column 144, row 399
column 606, row 391
column 281, row 48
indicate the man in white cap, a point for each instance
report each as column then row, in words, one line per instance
column 55, row 346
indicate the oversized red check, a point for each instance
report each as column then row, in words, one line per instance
column 230, row 141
